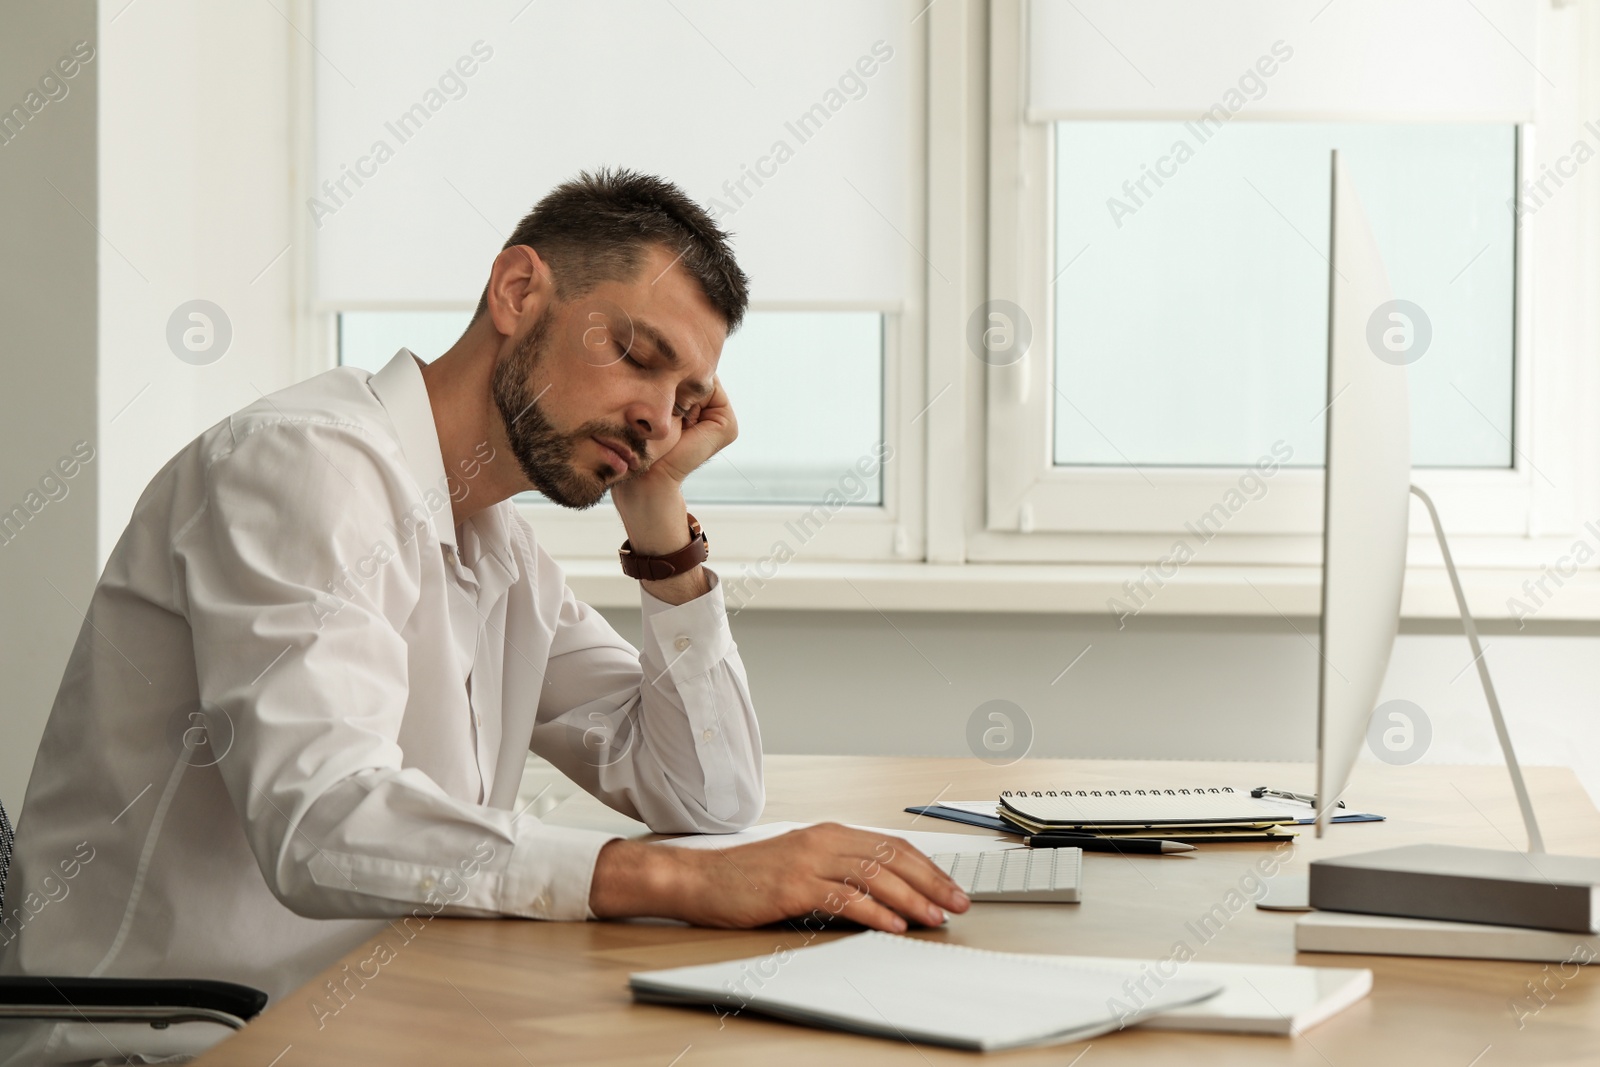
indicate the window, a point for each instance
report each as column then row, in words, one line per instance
column 799, row 126
column 369, row 339
column 1177, row 298
column 1189, row 312
column 807, row 387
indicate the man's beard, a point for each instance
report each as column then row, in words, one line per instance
column 545, row 454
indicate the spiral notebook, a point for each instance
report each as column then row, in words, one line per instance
column 1122, row 810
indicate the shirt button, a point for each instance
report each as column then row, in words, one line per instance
column 682, row 643
column 708, row 735
column 541, row 902
column 426, row 883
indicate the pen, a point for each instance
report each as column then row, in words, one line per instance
column 1263, row 791
column 1093, row 843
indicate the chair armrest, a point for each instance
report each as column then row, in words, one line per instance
column 159, row 1001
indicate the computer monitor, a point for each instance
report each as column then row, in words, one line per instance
column 1365, row 510
column 1365, row 496
column 1366, row 505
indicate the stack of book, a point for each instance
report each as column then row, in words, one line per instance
column 1464, row 903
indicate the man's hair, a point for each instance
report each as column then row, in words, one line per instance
column 598, row 226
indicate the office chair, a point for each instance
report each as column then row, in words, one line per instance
column 157, row 1001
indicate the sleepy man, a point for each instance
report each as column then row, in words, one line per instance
column 308, row 678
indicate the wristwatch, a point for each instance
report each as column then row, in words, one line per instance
column 655, row 568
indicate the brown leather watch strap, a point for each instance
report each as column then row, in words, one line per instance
column 656, row 568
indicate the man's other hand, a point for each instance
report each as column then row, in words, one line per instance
column 875, row 879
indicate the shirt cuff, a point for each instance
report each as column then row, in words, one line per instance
column 688, row 638
column 551, row 872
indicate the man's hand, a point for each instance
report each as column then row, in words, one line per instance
column 651, row 502
column 875, row 879
column 707, row 430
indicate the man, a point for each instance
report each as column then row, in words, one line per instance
column 303, row 693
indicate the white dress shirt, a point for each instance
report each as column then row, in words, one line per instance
column 301, row 702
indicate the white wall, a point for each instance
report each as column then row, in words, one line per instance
column 173, row 143
column 195, row 166
column 47, row 341
column 1163, row 688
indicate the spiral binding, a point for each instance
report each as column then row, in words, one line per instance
column 1198, row 790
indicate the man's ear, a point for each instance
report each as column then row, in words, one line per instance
column 519, row 288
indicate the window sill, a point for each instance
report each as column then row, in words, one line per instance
column 1088, row 590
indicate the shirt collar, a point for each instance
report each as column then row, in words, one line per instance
column 399, row 387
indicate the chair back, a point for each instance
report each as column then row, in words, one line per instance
column 7, row 837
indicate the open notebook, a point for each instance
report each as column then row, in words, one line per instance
column 907, row 988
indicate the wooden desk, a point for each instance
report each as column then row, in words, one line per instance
column 515, row 993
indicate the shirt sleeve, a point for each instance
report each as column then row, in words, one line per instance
column 665, row 733
column 299, row 656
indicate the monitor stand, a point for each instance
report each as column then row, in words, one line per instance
column 1529, row 820
column 1449, row 882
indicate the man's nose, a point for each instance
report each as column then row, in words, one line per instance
column 652, row 418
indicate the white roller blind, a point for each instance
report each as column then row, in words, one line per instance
column 792, row 121
column 1344, row 60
